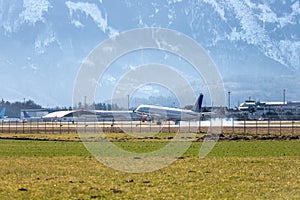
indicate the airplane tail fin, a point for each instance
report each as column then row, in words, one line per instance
column 26, row 115
column 2, row 113
column 198, row 104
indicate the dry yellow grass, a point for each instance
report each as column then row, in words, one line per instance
column 65, row 170
column 188, row 178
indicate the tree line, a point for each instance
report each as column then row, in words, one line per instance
column 13, row 109
column 97, row 106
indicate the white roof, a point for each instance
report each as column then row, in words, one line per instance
column 57, row 114
column 275, row 103
column 60, row 114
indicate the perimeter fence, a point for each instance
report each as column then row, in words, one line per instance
column 230, row 126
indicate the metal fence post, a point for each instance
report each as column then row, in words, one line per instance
column 60, row 125
column 103, row 125
column 29, row 126
column 293, row 127
column 280, row 127
column 140, row 126
column 245, row 126
column 232, row 124
column 52, row 127
column 94, row 126
column 23, row 124
column 200, row 118
column 68, row 126
column 37, row 126
column 16, row 127
column 45, row 123
column 268, row 126
column 256, row 127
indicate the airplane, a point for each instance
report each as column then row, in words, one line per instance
column 2, row 113
column 151, row 112
column 4, row 118
column 26, row 115
column 118, row 115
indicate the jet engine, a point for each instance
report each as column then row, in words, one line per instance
column 146, row 118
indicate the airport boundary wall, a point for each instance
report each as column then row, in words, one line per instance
column 230, row 126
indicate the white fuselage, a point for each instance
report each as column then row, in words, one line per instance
column 166, row 113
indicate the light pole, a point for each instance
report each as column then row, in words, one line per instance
column 282, row 107
column 283, row 96
column 127, row 101
column 24, row 102
column 229, row 100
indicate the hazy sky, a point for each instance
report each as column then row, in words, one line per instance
column 255, row 45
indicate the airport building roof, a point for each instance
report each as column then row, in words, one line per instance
column 67, row 113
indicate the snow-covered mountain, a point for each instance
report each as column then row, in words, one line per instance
column 254, row 43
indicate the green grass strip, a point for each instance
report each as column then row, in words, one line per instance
column 29, row 148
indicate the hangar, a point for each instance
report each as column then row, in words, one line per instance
column 96, row 115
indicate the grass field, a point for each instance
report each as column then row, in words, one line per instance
column 64, row 169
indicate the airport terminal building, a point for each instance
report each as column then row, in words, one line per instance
column 270, row 110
